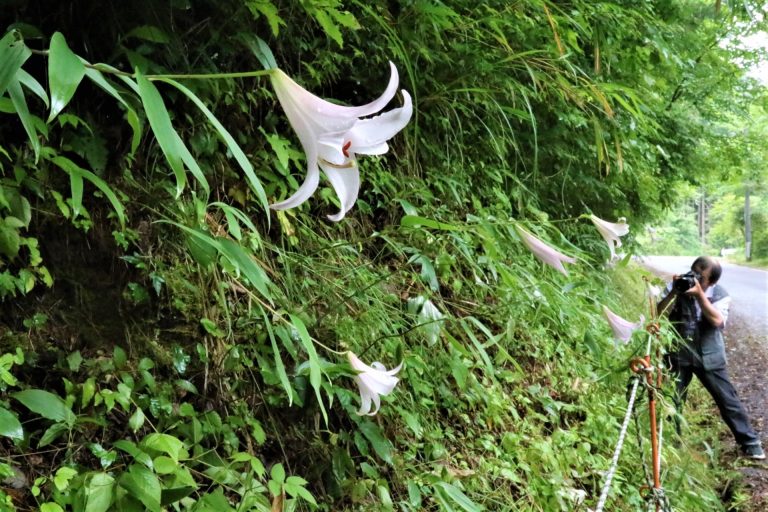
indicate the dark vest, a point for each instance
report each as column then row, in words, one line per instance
column 706, row 348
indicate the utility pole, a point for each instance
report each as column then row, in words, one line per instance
column 747, row 225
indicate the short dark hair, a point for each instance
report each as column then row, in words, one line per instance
column 705, row 262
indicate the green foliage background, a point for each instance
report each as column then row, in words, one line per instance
column 169, row 344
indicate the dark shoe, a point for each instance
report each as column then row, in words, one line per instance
column 753, row 451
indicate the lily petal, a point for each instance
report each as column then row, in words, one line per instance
column 346, row 183
column 332, row 134
column 370, row 136
column 372, row 381
column 304, row 192
column 622, row 329
column 611, row 232
column 544, row 252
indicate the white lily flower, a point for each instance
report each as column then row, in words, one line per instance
column 544, row 252
column 429, row 315
column 373, row 381
column 332, row 135
column 611, row 232
column 622, row 329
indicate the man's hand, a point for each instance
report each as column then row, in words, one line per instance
column 696, row 291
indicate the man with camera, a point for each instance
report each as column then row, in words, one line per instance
column 698, row 309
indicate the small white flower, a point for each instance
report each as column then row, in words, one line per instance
column 622, row 329
column 611, row 232
column 544, row 252
column 332, row 135
column 373, row 381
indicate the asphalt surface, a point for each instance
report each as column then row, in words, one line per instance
column 748, row 288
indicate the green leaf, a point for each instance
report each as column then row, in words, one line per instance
column 165, row 465
column 52, row 433
column 27, row 119
column 73, row 169
column 267, row 9
column 13, row 54
column 99, row 492
column 281, row 373
column 46, row 404
column 63, row 476
column 233, row 146
column 167, row 444
column 136, row 421
column 89, row 388
column 10, row 242
column 170, row 143
column 51, row 507
column 130, row 114
column 149, row 33
column 417, row 221
column 9, row 425
column 381, row 445
column 33, row 85
column 131, row 449
column 143, row 484
column 65, row 72
column 277, row 473
column 315, row 370
column 458, row 497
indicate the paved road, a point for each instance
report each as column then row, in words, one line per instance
column 747, row 286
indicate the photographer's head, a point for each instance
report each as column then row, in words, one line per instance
column 709, row 269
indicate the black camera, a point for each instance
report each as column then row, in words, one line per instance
column 686, row 281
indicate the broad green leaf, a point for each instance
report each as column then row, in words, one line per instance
column 51, row 507
column 46, row 404
column 167, row 444
column 277, row 473
column 73, row 169
column 62, row 477
column 65, row 72
column 233, row 146
column 171, row 144
column 136, row 421
column 10, row 242
column 315, row 370
column 27, row 119
column 13, row 54
column 381, row 445
column 99, row 492
column 143, row 484
column 9, row 425
column 52, row 433
column 131, row 449
column 89, row 388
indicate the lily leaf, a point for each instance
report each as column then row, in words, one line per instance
column 65, row 72
column 173, row 147
column 233, row 146
column 13, row 53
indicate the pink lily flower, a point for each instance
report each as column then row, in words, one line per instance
column 544, row 252
column 622, row 329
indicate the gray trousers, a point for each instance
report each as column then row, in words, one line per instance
column 719, row 386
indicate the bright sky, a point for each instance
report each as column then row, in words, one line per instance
column 759, row 40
